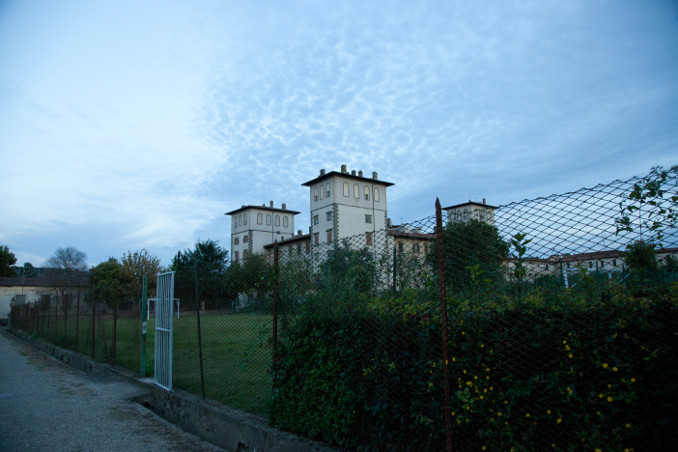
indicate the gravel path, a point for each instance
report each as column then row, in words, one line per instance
column 48, row 406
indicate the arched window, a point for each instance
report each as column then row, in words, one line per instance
column 268, row 219
column 286, row 222
column 244, row 219
column 245, row 239
column 376, row 194
column 236, row 241
column 322, row 192
column 327, row 190
column 356, row 191
column 260, row 219
column 367, row 193
column 315, row 194
column 277, row 220
column 347, row 192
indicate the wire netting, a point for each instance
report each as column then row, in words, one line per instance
column 560, row 330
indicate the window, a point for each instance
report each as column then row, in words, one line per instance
column 400, row 247
column 329, row 236
column 236, row 241
column 315, row 194
column 316, row 238
column 316, row 219
column 602, row 264
column 356, row 191
column 245, row 239
column 614, row 262
column 244, row 254
column 260, row 219
column 368, row 238
column 322, row 192
column 415, row 248
column 346, row 190
column 547, row 267
column 286, row 222
column 329, row 215
column 568, row 265
column 376, row 194
column 327, row 190
column 590, row 264
column 298, row 248
column 367, row 193
column 277, row 220
column 268, row 219
column 236, row 256
column 368, row 219
column 244, row 219
column 308, row 246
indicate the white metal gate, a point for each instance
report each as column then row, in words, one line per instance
column 163, row 330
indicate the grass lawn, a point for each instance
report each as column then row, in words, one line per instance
column 236, row 353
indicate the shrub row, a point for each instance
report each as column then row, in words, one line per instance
column 524, row 375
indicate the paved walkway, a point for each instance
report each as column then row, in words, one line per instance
column 48, row 406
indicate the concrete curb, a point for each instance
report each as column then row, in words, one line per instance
column 231, row 429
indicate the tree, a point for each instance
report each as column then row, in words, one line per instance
column 66, row 269
column 653, row 201
column 141, row 263
column 474, row 253
column 7, row 259
column 207, row 255
column 110, row 280
column 640, row 256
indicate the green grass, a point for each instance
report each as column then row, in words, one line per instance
column 236, row 353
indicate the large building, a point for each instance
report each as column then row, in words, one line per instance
column 253, row 227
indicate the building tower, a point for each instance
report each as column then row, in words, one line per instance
column 346, row 205
column 470, row 211
column 253, row 227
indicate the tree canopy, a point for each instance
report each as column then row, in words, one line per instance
column 208, row 255
column 7, row 259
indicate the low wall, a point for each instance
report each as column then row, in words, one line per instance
column 226, row 427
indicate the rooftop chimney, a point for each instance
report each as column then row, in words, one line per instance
column 360, row 173
column 322, row 172
column 271, row 204
column 299, row 232
column 352, row 172
column 374, row 175
column 484, row 201
column 284, row 206
column 343, row 169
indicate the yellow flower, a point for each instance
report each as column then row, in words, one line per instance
column 598, row 450
column 548, row 411
column 499, row 414
column 605, row 365
column 633, row 380
column 559, row 420
column 564, row 342
column 527, row 414
column 614, row 369
column 609, row 398
column 481, row 346
column 570, row 355
column 600, row 396
column 628, row 425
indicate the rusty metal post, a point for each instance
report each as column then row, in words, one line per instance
column 275, row 301
column 77, row 322
column 94, row 325
column 443, row 316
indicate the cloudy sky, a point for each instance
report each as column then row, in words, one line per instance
column 138, row 124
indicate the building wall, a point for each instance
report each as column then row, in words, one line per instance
column 254, row 227
column 8, row 293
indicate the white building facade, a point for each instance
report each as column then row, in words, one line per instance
column 253, row 227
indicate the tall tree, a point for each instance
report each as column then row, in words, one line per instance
column 141, row 263
column 66, row 271
column 7, row 259
column 208, row 255
column 110, row 280
column 474, row 253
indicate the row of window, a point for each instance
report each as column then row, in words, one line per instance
column 276, row 219
column 323, row 191
column 415, row 248
column 236, row 255
column 245, row 239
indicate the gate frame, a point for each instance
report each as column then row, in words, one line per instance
column 164, row 322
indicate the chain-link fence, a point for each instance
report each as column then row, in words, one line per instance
column 543, row 324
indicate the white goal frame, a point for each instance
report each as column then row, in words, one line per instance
column 177, row 305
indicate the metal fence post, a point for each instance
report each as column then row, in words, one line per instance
column 443, row 315
column 144, row 315
column 77, row 322
column 197, row 314
column 276, row 270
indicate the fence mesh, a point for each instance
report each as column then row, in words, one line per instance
column 560, row 331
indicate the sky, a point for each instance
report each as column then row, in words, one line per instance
column 133, row 125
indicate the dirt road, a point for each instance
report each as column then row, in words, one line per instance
column 48, row 406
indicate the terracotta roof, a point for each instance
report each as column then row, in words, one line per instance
column 294, row 239
column 272, row 209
